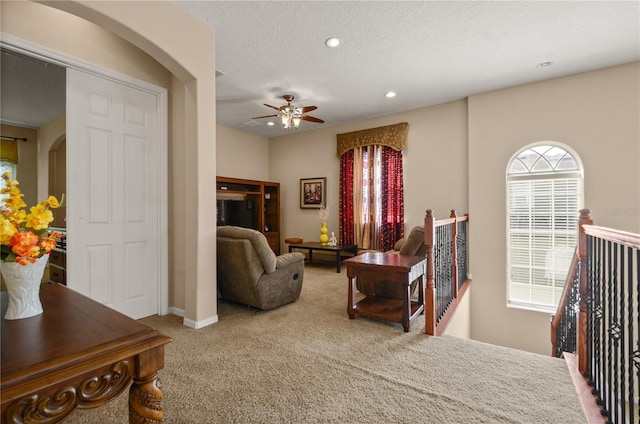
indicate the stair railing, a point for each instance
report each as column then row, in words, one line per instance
column 446, row 252
column 608, row 321
column 564, row 323
column 612, row 320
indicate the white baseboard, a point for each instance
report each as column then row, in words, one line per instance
column 190, row 323
column 200, row 324
column 176, row 311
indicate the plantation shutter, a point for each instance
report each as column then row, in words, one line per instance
column 542, row 219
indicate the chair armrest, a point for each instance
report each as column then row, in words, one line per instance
column 288, row 258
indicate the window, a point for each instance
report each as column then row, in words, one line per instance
column 544, row 195
column 372, row 197
column 371, row 186
column 6, row 166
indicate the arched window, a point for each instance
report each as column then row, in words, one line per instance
column 544, row 195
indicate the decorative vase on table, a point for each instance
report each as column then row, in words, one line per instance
column 324, row 238
column 23, row 286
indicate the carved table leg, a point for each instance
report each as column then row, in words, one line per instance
column 145, row 401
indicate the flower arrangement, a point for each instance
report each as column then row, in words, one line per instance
column 323, row 213
column 24, row 237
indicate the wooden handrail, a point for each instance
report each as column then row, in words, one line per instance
column 430, row 292
column 616, row 236
column 581, row 338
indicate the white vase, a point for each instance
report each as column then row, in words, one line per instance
column 23, row 284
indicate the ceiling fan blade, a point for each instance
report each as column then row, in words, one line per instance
column 312, row 119
column 266, row 116
column 273, row 107
column 309, row 108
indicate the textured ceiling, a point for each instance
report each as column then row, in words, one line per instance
column 428, row 52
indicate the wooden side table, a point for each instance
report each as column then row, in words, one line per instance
column 390, row 269
column 77, row 354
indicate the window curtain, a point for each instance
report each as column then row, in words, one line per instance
column 346, row 229
column 371, row 187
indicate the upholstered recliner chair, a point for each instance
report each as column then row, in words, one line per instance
column 413, row 245
column 250, row 273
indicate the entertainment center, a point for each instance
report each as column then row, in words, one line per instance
column 250, row 204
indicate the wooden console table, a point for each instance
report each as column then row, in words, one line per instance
column 77, row 353
column 390, row 269
column 315, row 245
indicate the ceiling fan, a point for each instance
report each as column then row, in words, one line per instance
column 292, row 115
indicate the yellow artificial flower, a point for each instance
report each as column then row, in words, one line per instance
column 53, row 202
column 24, row 237
column 7, row 230
column 39, row 218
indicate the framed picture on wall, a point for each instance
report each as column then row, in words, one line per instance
column 313, row 193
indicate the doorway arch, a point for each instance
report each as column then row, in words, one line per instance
column 193, row 105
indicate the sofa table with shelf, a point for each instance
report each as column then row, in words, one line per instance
column 387, row 269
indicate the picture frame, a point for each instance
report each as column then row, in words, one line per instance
column 313, row 193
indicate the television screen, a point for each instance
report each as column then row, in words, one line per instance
column 240, row 213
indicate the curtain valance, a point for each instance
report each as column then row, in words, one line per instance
column 394, row 136
column 9, row 151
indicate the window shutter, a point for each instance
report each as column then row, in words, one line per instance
column 542, row 216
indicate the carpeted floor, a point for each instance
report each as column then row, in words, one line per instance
column 306, row 362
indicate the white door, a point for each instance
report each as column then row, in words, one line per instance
column 113, row 193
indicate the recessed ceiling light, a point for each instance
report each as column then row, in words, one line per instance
column 544, row 64
column 332, row 42
column 390, row 94
column 271, row 124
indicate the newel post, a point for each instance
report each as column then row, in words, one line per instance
column 430, row 290
column 585, row 297
column 454, row 243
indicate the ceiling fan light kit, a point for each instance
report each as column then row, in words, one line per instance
column 292, row 115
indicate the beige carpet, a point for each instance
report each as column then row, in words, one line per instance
column 308, row 363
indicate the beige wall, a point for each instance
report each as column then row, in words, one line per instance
column 595, row 113
column 430, row 182
column 79, row 38
column 241, row 155
column 49, row 135
column 152, row 50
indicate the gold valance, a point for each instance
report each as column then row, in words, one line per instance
column 394, row 136
column 9, row 151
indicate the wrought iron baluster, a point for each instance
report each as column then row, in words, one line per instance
column 635, row 355
column 623, row 336
column 589, row 303
column 597, row 316
column 606, row 342
column 614, row 334
column 462, row 253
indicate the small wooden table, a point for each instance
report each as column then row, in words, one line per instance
column 315, row 245
column 390, row 269
column 77, row 353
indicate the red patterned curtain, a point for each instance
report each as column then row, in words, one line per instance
column 386, row 197
column 371, row 186
column 347, row 236
column 392, row 199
